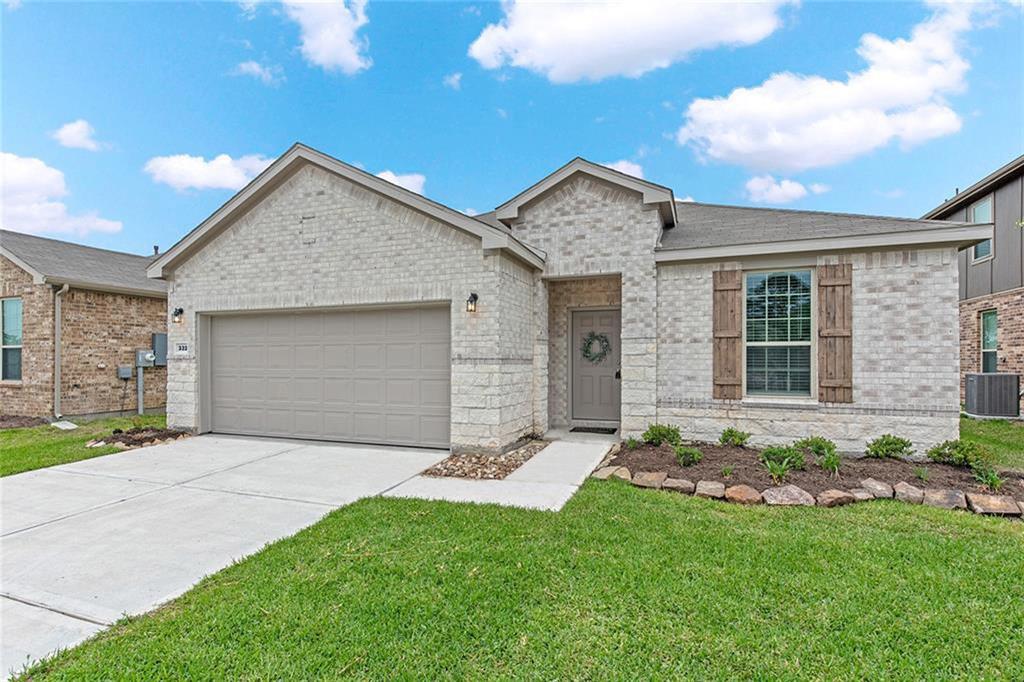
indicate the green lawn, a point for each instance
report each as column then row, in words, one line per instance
column 44, row 446
column 1004, row 438
column 623, row 583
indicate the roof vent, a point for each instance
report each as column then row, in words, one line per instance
column 156, row 249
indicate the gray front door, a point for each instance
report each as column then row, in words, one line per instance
column 595, row 379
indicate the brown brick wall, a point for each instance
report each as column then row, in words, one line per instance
column 1009, row 307
column 33, row 396
column 101, row 331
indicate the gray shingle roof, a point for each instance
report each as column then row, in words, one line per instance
column 82, row 266
column 710, row 225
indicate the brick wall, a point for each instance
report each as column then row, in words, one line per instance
column 1009, row 307
column 905, row 356
column 99, row 332
column 320, row 240
column 33, row 396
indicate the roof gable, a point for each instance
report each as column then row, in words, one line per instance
column 297, row 156
column 652, row 193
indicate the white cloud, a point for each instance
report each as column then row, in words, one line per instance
column 501, row 113
column 453, row 81
column 895, row 193
column 268, row 75
column 248, row 8
column 328, row 31
column 627, row 167
column 471, row 211
column 411, row 181
column 12, row 4
column 182, row 171
column 568, row 42
column 764, row 189
column 31, row 192
column 77, row 135
column 818, row 188
column 687, row 200
column 793, row 122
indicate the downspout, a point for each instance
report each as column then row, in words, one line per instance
column 58, row 293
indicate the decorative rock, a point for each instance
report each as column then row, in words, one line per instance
column 788, row 495
column 742, row 494
column 908, row 493
column 878, row 489
column 998, row 505
column 649, row 479
column 710, row 489
column 861, row 495
column 623, row 473
column 678, row 484
column 946, row 499
column 836, row 498
column 603, row 473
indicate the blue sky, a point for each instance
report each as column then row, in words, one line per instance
column 887, row 125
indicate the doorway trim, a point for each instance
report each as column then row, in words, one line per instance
column 571, row 355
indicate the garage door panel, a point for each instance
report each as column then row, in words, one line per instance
column 379, row 376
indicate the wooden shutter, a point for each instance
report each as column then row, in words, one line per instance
column 727, row 323
column 835, row 333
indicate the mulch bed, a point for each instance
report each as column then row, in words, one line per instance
column 14, row 421
column 142, row 436
column 486, row 467
column 747, row 469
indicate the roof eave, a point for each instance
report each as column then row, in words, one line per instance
column 961, row 236
column 975, row 191
column 37, row 276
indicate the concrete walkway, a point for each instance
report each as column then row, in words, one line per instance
column 85, row 543
column 547, row 481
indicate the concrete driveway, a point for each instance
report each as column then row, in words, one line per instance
column 85, row 543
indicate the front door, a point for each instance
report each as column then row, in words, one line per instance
column 595, row 365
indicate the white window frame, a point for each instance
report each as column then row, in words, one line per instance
column 981, row 340
column 19, row 346
column 812, row 397
column 969, row 215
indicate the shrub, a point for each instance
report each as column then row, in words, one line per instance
column 818, row 446
column 656, row 434
column 921, row 473
column 889, row 445
column 733, row 436
column 778, row 469
column 959, row 453
column 727, row 471
column 687, row 455
column 830, row 463
column 778, row 453
column 986, row 474
column 632, row 443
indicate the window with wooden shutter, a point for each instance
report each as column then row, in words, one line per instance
column 835, row 333
column 727, row 322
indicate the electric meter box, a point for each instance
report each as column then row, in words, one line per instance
column 144, row 357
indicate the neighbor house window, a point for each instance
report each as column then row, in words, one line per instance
column 989, row 334
column 10, row 348
column 981, row 212
column 777, row 321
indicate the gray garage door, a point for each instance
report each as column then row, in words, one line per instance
column 370, row 376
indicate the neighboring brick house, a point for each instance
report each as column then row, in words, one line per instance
column 991, row 273
column 324, row 302
column 75, row 312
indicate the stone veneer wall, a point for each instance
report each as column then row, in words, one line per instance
column 564, row 295
column 33, row 395
column 1009, row 307
column 100, row 331
column 319, row 240
column 591, row 228
column 905, row 356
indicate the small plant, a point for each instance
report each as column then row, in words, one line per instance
column 632, row 443
column 921, row 473
column 986, row 474
column 818, row 446
column 687, row 456
column 656, row 434
column 778, row 469
column 727, row 471
column 830, row 463
column 733, row 436
column 960, row 453
column 889, row 445
column 778, row 453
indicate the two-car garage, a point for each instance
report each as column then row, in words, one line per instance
column 364, row 375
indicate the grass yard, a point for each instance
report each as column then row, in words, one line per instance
column 623, row 583
column 1004, row 438
column 43, row 446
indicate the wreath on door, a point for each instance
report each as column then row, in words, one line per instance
column 595, row 347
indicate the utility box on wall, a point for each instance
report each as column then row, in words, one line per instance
column 160, row 350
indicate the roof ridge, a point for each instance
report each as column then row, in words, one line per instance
column 75, row 244
column 818, row 212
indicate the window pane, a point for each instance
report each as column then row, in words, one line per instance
column 11, row 364
column 755, row 285
column 755, row 330
column 784, row 370
column 983, row 250
column 981, row 212
column 989, row 329
column 989, row 362
column 12, row 322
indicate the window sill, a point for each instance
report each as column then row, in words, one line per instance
column 11, row 383
column 979, row 261
column 779, row 401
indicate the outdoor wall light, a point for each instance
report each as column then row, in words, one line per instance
column 471, row 303
column 177, row 314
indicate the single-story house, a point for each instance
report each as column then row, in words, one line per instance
column 324, row 302
column 72, row 314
